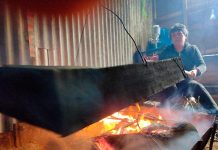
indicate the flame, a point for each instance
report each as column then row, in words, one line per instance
column 132, row 120
column 138, row 107
column 112, row 121
column 160, row 118
column 119, row 123
column 144, row 123
column 102, row 144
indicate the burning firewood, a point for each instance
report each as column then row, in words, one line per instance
column 166, row 138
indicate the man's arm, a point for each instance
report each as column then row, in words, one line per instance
column 199, row 61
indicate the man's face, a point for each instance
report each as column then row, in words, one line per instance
column 178, row 38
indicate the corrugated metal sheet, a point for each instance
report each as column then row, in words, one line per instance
column 92, row 38
column 14, row 45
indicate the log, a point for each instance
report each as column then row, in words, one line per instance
column 66, row 99
column 181, row 136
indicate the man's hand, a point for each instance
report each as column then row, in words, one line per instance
column 152, row 58
column 192, row 73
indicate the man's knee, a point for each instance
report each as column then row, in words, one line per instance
column 195, row 84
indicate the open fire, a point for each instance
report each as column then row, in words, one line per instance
column 148, row 125
column 121, row 123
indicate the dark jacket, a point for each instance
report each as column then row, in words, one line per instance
column 190, row 55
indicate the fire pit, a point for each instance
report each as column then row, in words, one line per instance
column 142, row 127
column 75, row 101
column 153, row 128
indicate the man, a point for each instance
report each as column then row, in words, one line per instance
column 193, row 64
column 160, row 39
column 154, row 44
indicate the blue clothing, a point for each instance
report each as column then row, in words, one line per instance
column 164, row 40
column 154, row 48
column 137, row 58
column 190, row 55
column 191, row 59
column 165, row 36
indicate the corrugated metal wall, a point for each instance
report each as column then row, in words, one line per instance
column 14, row 45
column 93, row 38
column 13, row 36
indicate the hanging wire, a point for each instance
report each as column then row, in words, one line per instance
column 81, row 36
column 143, row 60
column 84, row 25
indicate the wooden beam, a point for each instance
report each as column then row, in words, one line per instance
column 65, row 100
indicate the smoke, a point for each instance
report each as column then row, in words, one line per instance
column 186, row 97
column 185, row 109
column 184, row 142
column 187, row 128
column 182, row 136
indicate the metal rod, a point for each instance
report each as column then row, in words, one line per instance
column 212, row 136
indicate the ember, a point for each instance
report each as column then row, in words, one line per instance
column 147, row 128
column 119, row 123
